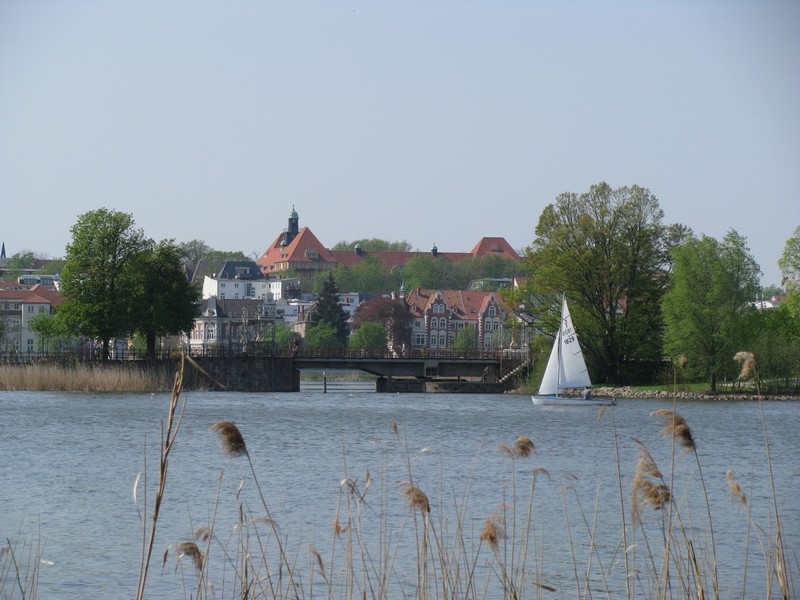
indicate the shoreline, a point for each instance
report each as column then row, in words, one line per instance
column 627, row 393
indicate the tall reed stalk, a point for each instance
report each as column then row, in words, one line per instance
column 750, row 370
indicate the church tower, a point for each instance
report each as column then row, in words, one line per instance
column 293, row 229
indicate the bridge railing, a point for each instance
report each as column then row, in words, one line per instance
column 93, row 354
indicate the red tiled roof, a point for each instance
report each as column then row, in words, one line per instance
column 468, row 304
column 44, row 295
column 295, row 251
column 305, row 239
column 495, row 246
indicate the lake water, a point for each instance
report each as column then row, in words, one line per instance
column 69, row 462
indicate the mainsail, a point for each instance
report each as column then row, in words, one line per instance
column 566, row 367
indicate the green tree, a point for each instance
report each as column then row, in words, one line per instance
column 321, row 337
column 704, row 311
column 20, row 262
column 194, row 251
column 328, row 311
column 368, row 276
column 466, row 340
column 166, row 302
column 374, row 245
column 97, row 279
column 421, row 272
column 284, row 336
column 371, row 337
column 223, row 255
column 608, row 251
column 789, row 264
column 391, row 314
column 50, row 330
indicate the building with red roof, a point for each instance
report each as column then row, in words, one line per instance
column 438, row 316
column 298, row 250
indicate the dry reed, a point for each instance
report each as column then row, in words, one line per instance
column 230, row 438
column 84, row 378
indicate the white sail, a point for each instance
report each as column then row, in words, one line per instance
column 573, row 367
column 566, row 367
column 549, row 386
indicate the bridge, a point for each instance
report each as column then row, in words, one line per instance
column 493, row 369
column 261, row 369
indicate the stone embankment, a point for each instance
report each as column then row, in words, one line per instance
column 626, row 392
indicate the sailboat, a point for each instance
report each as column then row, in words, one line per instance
column 566, row 369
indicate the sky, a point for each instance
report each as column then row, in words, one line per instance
column 433, row 122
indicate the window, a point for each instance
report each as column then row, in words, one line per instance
column 442, row 323
column 30, row 308
column 442, row 340
column 211, row 333
column 492, row 311
column 419, row 339
column 438, row 309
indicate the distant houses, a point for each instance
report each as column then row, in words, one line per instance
column 243, row 302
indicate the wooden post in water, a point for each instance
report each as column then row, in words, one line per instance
column 324, row 382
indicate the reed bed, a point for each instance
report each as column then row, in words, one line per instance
column 80, row 377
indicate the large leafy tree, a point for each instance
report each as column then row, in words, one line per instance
column 328, row 311
column 368, row 276
column 370, row 337
column 608, row 251
column 166, row 302
column 97, row 279
column 705, row 310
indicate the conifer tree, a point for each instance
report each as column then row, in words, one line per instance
column 327, row 310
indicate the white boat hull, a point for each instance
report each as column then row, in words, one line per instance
column 572, row 401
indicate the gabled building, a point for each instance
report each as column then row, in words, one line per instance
column 18, row 307
column 297, row 251
column 438, row 316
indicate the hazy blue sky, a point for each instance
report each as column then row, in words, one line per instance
column 431, row 122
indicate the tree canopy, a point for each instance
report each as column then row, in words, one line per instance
column 374, row 245
column 608, row 251
column 391, row 314
column 712, row 285
column 370, row 337
column 167, row 303
column 96, row 282
column 368, row 276
column 117, row 282
column 328, row 311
